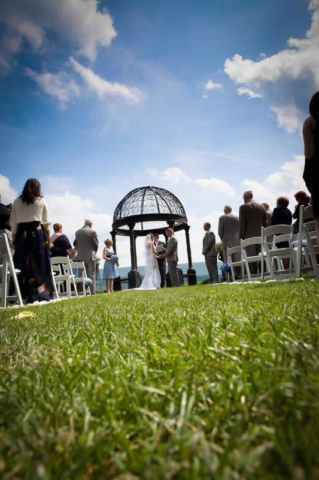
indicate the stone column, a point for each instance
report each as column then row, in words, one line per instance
column 191, row 272
column 134, row 278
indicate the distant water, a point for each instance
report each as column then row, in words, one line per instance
column 200, row 267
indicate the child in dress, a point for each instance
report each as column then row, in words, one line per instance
column 110, row 267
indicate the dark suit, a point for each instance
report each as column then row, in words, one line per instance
column 252, row 217
column 209, row 251
column 161, row 265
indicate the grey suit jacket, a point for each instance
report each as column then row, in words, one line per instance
column 228, row 230
column 87, row 244
column 171, row 252
column 269, row 217
column 209, row 245
column 252, row 217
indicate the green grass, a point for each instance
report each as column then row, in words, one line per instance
column 191, row 383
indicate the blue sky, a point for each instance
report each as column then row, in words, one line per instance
column 204, row 98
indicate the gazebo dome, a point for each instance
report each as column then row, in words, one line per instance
column 149, row 208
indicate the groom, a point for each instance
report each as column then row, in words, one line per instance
column 172, row 257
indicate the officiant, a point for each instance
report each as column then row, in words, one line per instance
column 160, row 248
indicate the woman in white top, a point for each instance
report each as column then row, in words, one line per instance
column 30, row 225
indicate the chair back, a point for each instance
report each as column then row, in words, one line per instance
column 232, row 250
column 282, row 238
column 80, row 266
column 277, row 230
column 63, row 263
column 251, row 241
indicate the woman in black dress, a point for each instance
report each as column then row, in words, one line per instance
column 282, row 216
column 30, row 223
column 311, row 142
column 61, row 245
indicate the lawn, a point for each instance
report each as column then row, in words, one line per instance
column 192, row 383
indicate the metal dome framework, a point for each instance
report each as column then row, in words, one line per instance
column 144, row 210
column 149, row 209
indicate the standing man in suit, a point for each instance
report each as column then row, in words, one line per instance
column 161, row 261
column 209, row 251
column 87, row 244
column 228, row 231
column 172, row 257
column 252, row 216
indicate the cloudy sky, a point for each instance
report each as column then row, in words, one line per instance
column 205, row 99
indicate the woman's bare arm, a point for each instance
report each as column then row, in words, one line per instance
column 309, row 143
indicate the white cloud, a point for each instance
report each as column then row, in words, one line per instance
column 103, row 88
column 215, row 185
column 288, row 117
column 8, row 194
column 286, row 181
column 205, row 96
column 59, row 85
column 297, row 61
column 77, row 21
column 210, row 85
column 250, row 93
column 172, row 175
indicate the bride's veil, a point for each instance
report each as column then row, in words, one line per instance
column 149, row 256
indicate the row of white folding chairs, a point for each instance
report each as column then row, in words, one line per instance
column 268, row 255
column 62, row 271
column 64, row 278
column 302, row 250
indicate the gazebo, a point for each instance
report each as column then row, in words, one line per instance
column 145, row 210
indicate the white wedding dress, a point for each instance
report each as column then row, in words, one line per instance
column 152, row 278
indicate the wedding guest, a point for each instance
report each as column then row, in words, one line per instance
column 30, row 224
column 228, row 231
column 311, row 144
column 110, row 267
column 87, row 245
column 252, row 216
column 282, row 216
column 268, row 212
column 302, row 199
column 161, row 261
column 210, row 254
column 61, row 244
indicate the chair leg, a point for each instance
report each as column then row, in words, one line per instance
column 4, row 286
column 54, row 286
column 68, row 288
column 74, row 286
column 271, row 269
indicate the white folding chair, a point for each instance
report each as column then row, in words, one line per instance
column 62, row 275
column 310, row 233
column 256, row 259
column 8, row 270
column 301, row 243
column 235, row 263
column 81, row 278
column 275, row 254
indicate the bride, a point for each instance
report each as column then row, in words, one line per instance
column 152, row 278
